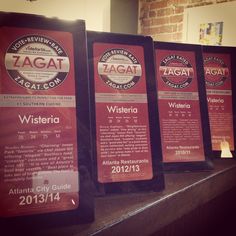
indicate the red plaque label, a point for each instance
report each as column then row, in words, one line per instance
column 219, row 96
column 122, row 123
column 38, row 137
column 179, row 111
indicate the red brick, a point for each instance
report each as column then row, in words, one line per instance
column 182, row 1
column 143, row 12
column 158, row 5
column 199, row 4
column 152, row 14
column 144, row 9
column 150, row 31
column 165, row 29
column 156, row 30
column 196, row 1
column 177, row 2
column 177, row 37
column 180, row 27
column 146, row 23
column 163, row 37
column 172, row 2
column 174, row 28
column 168, row 28
column 165, row 12
column 145, row 31
column 177, row 18
column 144, row 6
column 179, row 10
column 161, row 21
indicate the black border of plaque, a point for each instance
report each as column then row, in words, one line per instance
column 232, row 52
column 194, row 165
column 157, row 182
column 85, row 212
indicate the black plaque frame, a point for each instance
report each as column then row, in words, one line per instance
column 157, row 182
column 232, row 52
column 194, row 165
column 85, row 212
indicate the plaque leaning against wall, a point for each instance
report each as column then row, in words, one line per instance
column 126, row 145
column 219, row 68
column 184, row 123
column 45, row 161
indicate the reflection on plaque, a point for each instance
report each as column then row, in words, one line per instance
column 225, row 149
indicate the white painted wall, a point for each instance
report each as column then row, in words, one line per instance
column 223, row 12
column 96, row 13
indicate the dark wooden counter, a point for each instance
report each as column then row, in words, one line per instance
column 147, row 213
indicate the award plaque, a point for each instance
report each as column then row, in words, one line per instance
column 219, row 69
column 44, row 137
column 126, row 145
column 184, row 124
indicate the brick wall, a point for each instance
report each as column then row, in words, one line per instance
column 163, row 19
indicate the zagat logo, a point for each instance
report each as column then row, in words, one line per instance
column 216, row 71
column 176, row 71
column 37, row 62
column 119, row 69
